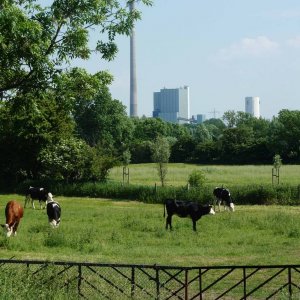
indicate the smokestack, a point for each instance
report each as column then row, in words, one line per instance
column 133, row 84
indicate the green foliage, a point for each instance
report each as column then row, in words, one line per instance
column 277, row 161
column 36, row 40
column 103, row 121
column 141, row 151
column 99, row 164
column 183, row 149
column 43, row 109
column 160, row 155
column 126, row 157
column 283, row 136
column 202, row 134
column 64, row 160
column 197, row 179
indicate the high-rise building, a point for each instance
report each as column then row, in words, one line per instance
column 252, row 105
column 172, row 105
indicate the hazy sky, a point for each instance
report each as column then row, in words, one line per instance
column 224, row 50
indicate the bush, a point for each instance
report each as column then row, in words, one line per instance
column 197, row 179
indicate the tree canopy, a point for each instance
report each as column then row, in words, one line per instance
column 38, row 41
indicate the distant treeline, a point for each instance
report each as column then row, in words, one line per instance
column 238, row 138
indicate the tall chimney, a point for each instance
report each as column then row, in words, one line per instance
column 133, row 84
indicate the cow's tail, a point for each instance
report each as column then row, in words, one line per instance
column 164, row 209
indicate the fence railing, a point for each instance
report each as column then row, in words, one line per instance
column 124, row 281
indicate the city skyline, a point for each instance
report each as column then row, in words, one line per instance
column 223, row 50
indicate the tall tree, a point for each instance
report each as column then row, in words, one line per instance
column 103, row 121
column 161, row 155
column 37, row 41
column 38, row 98
column 284, row 135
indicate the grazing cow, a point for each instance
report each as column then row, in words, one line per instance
column 53, row 212
column 37, row 193
column 185, row 209
column 13, row 213
column 223, row 196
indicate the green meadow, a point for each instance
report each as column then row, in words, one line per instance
column 132, row 232
column 106, row 231
column 178, row 174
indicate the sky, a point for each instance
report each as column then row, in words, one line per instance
column 224, row 50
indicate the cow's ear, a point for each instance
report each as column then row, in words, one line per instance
column 2, row 225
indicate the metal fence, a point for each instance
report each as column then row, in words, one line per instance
column 123, row 281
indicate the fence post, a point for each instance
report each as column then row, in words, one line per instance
column 157, row 283
column 79, row 280
column 132, row 281
column 244, row 280
column 290, row 282
column 200, row 283
column 186, row 283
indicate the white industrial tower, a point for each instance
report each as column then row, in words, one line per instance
column 133, row 84
column 252, row 105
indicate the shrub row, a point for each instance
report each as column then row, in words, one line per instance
column 254, row 194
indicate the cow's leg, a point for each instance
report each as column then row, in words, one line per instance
column 194, row 225
column 219, row 205
column 15, row 227
column 32, row 203
column 169, row 222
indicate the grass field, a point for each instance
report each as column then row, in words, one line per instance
column 99, row 230
column 146, row 174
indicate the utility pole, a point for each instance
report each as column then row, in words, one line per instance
column 214, row 112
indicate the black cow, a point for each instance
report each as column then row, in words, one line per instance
column 223, row 196
column 185, row 209
column 54, row 213
column 37, row 193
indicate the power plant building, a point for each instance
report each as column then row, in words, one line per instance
column 172, row 105
column 200, row 118
column 252, row 106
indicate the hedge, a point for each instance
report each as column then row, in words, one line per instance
column 251, row 194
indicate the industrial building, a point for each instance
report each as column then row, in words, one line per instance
column 252, row 106
column 172, row 105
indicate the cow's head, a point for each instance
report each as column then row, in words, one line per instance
column 54, row 223
column 49, row 198
column 231, row 206
column 211, row 211
column 8, row 230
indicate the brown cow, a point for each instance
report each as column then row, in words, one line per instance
column 13, row 213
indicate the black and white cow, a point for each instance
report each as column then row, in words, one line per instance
column 54, row 213
column 223, row 196
column 37, row 193
column 185, row 209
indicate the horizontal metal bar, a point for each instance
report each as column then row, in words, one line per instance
column 155, row 266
